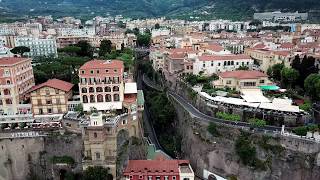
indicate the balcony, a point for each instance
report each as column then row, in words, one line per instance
column 7, row 86
column 113, row 121
column 23, row 71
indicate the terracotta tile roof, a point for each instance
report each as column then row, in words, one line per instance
column 241, row 74
column 223, row 58
column 54, row 83
column 7, row 61
column 154, row 166
column 215, row 47
column 287, row 46
column 101, row 64
column 309, row 45
column 177, row 56
column 182, row 50
column 282, row 53
column 259, row 46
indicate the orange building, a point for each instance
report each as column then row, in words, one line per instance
column 16, row 78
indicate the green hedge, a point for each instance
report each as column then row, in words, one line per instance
column 257, row 122
column 227, row 116
column 302, row 130
column 62, row 159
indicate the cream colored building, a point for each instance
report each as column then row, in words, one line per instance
column 241, row 80
column 51, row 97
column 267, row 58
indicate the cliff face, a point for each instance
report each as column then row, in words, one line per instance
column 30, row 158
column 276, row 157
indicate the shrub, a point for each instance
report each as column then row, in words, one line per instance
column 306, row 106
column 257, row 122
column 62, row 159
column 212, row 129
column 245, row 150
column 227, row 116
column 301, row 131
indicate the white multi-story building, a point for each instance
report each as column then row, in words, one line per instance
column 213, row 64
column 160, row 32
column 77, row 32
column 38, row 47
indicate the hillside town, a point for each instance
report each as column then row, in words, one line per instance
column 115, row 83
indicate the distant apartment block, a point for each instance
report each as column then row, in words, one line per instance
column 38, row 47
column 281, row 17
column 16, row 78
column 77, row 32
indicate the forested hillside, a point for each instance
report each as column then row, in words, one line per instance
column 231, row 9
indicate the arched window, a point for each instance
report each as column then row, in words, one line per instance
column 115, row 88
column 108, row 98
column 8, row 82
column 92, row 99
column 99, row 98
column 84, row 90
column 91, row 89
column 84, row 99
column 107, row 89
column 232, row 62
column 6, row 92
column 225, row 63
column 95, row 135
column 116, row 97
column 99, row 89
column 229, row 63
column 8, row 101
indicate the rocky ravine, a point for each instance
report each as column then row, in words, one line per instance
column 281, row 157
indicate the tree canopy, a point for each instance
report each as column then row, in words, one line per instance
column 312, row 86
column 96, row 173
column 289, row 77
column 86, row 49
column 20, row 50
column 275, row 71
column 305, row 67
column 105, row 47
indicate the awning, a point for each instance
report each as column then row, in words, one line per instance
column 269, row 87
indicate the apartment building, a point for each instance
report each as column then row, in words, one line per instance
column 157, row 57
column 265, row 58
column 16, row 78
column 51, row 97
column 38, row 47
column 241, row 79
column 159, row 169
column 65, row 41
column 281, row 17
column 77, row 32
column 101, row 85
column 212, row 64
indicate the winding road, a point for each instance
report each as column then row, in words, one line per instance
column 194, row 112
